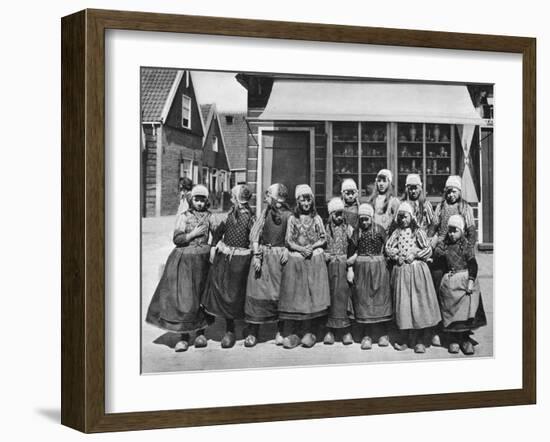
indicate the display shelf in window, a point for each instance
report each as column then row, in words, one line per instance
column 345, row 153
column 439, row 158
column 374, row 153
column 410, row 152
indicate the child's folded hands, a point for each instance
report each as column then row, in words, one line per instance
column 306, row 251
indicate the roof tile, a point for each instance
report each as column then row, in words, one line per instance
column 155, row 88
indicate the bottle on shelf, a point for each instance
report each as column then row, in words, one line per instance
column 437, row 133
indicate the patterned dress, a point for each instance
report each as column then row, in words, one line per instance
column 372, row 300
column 175, row 305
column 225, row 291
column 305, row 292
column 263, row 287
column 339, row 239
column 461, row 311
column 415, row 300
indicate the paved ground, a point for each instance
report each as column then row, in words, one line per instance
column 157, row 346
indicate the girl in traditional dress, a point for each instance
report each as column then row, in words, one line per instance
column 423, row 211
column 451, row 204
column 305, row 294
column 382, row 199
column 459, row 294
column 339, row 246
column 225, row 291
column 350, row 196
column 372, row 297
column 270, row 255
column 175, row 305
column 415, row 300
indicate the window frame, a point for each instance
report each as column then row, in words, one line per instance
column 185, row 97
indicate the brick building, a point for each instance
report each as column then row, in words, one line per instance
column 173, row 134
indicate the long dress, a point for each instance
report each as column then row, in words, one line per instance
column 338, row 245
column 225, row 291
column 305, row 292
column 415, row 300
column 461, row 311
column 372, row 298
column 175, row 305
column 263, row 287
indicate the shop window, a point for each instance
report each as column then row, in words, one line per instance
column 359, row 151
column 427, row 150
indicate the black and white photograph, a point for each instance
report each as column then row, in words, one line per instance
column 306, row 220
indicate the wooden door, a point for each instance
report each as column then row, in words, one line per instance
column 285, row 159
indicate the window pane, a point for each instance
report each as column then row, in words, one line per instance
column 410, row 152
column 345, row 152
column 374, row 154
column 185, row 111
column 438, row 157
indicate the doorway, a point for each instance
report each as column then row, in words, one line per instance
column 285, row 159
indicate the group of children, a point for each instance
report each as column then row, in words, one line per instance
column 388, row 264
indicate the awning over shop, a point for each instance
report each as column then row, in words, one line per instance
column 332, row 100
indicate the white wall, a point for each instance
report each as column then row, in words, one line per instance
column 30, row 233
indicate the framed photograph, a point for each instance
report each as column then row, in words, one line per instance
column 267, row 221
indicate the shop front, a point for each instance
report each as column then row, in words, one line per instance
column 322, row 131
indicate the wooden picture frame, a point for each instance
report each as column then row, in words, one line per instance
column 83, row 220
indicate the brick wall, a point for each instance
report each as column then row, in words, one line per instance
column 149, row 170
column 175, row 146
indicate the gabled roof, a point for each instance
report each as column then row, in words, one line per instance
column 158, row 87
column 209, row 114
column 205, row 110
column 235, row 137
